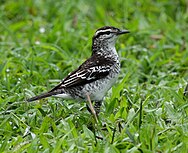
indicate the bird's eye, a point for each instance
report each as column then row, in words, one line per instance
column 108, row 32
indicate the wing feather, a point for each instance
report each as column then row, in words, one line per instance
column 96, row 67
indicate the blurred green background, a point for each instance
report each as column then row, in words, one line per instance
column 42, row 41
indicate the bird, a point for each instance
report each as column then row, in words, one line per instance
column 94, row 77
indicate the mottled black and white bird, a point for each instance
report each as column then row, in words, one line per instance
column 92, row 79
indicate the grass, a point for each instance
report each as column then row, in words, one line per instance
column 41, row 41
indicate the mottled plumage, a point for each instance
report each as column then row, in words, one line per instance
column 96, row 75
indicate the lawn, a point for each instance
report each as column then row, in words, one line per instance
column 146, row 110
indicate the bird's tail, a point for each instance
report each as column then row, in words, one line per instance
column 44, row 95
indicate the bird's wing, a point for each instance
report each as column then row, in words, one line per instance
column 96, row 67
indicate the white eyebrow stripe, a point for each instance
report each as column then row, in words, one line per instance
column 102, row 31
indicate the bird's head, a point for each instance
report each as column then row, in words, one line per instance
column 107, row 35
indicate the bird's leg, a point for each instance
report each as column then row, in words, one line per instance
column 97, row 107
column 93, row 112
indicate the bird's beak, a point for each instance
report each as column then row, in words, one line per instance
column 123, row 32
